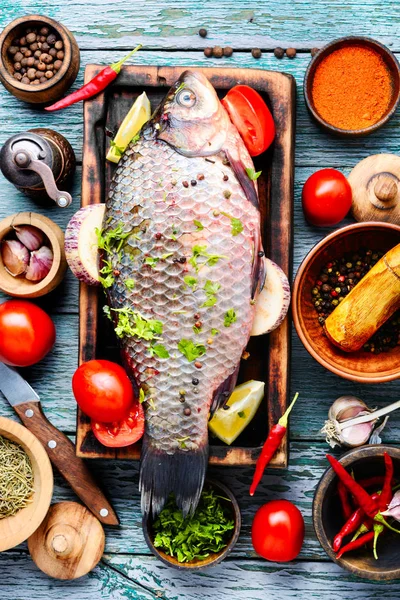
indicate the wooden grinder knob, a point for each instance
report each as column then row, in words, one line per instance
column 69, row 543
column 375, row 184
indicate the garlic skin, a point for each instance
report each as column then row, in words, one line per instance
column 39, row 264
column 342, row 410
column 31, row 237
column 15, row 257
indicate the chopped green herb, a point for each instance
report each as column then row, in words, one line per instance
column 107, row 312
column 199, row 225
column 207, row 531
column 251, row 174
column 112, row 240
column 237, row 225
column 135, row 138
column 191, row 350
column 150, row 402
column 214, row 331
column 210, row 288
column 211, row 301
column 242, row 414
column 230, row 317
column 149, row 260
column 130, row 284
column 142, row 396
column 159, row 350
column 132, row 323
column 118, row 150
column 106, row 281
column 201, row 251
column 166, row 255
column 190, row 281
column 196, row 329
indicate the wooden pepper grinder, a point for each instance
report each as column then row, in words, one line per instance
column 370, row 303
column 375, row 184
column 69, row 543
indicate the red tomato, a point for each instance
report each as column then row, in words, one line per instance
column 27, row 333
column 326, row 197
column 252, row 118
column 103, row 390
column 121, row 433
column 277, row 532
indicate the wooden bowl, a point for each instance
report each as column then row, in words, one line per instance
column 212, row 559
column 16, row 529
column 360, row 366
column 45, row 93
column 365, row 461
column 391, row 63
column 19, row 287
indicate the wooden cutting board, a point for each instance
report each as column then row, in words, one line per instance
column 269, row 355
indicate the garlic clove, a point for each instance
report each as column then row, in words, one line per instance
column 357, row 435
column 15, row 257
column 393, row 509
column 30, row 236
column 346, row 407
column 39, row 264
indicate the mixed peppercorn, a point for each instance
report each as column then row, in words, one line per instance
column 337, row 278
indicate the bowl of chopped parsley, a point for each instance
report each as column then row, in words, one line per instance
column 200, row 540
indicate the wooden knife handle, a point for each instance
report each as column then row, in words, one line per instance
column 61, row 452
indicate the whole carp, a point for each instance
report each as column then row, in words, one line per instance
column 182, row 264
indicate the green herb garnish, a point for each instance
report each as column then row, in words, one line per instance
column 210, row 289
column 242, row 414
column 159, row 350
column 201, row 251
column 130, row 284
column 190, row 349
column 237, row 225
column 207, row 531
column 230, row 317
column 118, row 150
column 199, row 225
column 190, row 281
column 149, row 260
column 142, row 396
column 252, row 174
column 214, row 331
column 196, row 330
column 133, row 323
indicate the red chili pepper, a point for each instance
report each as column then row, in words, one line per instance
column 364, row 539
column 362, row 497
column 271, row 444
column 371, row 481
column 387, row 493
column 355, row 521
column 95, row 86
column 345, row 500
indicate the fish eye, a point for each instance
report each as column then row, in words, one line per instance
column 186, row 98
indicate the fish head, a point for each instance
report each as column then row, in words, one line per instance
column 191, row 118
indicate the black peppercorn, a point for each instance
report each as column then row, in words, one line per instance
column 256, row 53
column 279, row 52
column 203, row 32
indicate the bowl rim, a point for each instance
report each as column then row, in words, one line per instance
column 328, row 49
column 43, row 496
column 347, row 459
column 220, row 556
column 65, row 36
column 296, row 299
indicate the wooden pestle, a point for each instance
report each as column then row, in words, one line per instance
column 369, row 304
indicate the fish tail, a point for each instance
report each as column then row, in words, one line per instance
column 181, row 473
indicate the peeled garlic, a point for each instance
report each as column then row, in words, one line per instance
column 29, row 236
column 39, row 264
column 342, row 410
column 15, row 257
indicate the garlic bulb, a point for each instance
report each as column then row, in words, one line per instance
column 15, row 257
column 344, row 409
column 39, row 264
column 29, row 236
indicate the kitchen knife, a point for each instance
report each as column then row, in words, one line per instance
column 60, row 449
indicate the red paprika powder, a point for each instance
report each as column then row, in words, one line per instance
column 352, row 88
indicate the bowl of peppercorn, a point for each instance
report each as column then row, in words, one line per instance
column 39, row 59
column 327, row 275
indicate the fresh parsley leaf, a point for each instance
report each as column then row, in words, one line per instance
column 242, row 414
column 237, row 225
column 135, row 139
column 130, row 284
column 251, row 174
column 166, row 255
column 196, row 329
column 134, row 324
column 149, row 260
column 201, row 251
column 211, row 301
column 210, row 288
column 107, row 312
column 190, row 281
column 118, row 150
column 142, row 396
column 190, row 349
column 160, row 351
column 199, row 225
column 214, row 331
column 230, row 317
column 107, row 281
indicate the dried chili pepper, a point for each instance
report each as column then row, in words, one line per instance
column 351, row 525
column 345, row 500
column 387, row 493
column 271, row 444
column 361, row 541
column 362, row 497
column 95, row 86
column 371, row 481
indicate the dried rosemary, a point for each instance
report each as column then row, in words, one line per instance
column 16, row 478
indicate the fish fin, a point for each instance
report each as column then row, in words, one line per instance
column 181, row 473
column 247, row 184
column 258, row 273
column 223, row 392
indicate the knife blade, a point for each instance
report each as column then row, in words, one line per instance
column 26, row 403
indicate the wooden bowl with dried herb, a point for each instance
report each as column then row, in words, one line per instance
column 26, row 483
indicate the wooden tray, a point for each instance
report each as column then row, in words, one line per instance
column 269, row 355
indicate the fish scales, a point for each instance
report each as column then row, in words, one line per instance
column 170, row 205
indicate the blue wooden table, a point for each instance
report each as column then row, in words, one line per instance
column 105, row 30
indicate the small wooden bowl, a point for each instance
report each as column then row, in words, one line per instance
column 16, row 529
column 388, row 58
column 365, row 461
column 19, row 287
column 360, row 366
column 213, row 559
column 45, row 93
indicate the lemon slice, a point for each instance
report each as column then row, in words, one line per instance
column 228, row 424
column 138, row 115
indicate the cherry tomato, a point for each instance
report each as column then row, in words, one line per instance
column 277, row 532
column 103, row 390
column 252, row 118
column 121, row 433
column 27, row 333
column 326, row 197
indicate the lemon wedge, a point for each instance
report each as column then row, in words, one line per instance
column 138, row 115
column 228, row 424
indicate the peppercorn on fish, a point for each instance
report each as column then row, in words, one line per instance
column 182, row 264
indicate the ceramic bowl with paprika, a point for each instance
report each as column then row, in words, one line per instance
column 392, row 70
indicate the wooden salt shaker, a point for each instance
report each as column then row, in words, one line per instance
column 369, row 304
